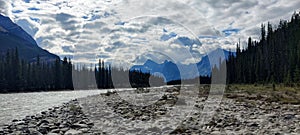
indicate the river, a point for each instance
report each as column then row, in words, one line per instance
column 19, row 105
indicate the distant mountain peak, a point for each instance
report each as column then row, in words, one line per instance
column 171, row 71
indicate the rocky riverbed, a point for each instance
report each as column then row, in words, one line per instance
column 67, row 119
column 162, row 111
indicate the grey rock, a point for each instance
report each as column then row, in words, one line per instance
column 84, row 130
column 73, row 132
column 55, row 131
column 289, row 115
column 64, row 129
column 145, row 118
column 19, row 123
column 216, row 133
column 77, row 125
column 15, row 120
column 34, row 132
column 43, row 121
column 52, row 134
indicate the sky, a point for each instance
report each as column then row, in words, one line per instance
column 132, row 31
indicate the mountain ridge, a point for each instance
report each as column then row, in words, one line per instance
column 12, row 36
column 172, row 72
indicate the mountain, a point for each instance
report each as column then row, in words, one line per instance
column 13, row 36
column 171, row 71
column 168, row 69
column 213, row 58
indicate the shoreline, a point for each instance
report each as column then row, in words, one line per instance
column 65, row 119
column 237, row 113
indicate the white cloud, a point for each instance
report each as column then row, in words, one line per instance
column 88, row 28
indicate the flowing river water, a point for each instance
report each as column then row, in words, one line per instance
column 19, row 105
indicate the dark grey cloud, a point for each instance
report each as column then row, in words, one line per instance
column 114, row 46
column 160, row 21
column 94, row 25
column 67, row 49
column 67, row 21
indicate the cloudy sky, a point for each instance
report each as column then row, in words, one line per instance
column 133, row 31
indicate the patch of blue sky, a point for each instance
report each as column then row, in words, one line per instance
column 35, row 19
column 106, row 14
column 95, row 17
column 164, row 30
column 17, row 11
column 187, row 41
column 26, row 1
column 120, row 23
column 166, row 37
column 229, row 32
column 85, row 17
column 207, row 37
column 34, row 9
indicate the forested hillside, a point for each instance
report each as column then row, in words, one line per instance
column 273, row 59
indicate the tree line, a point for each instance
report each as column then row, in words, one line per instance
column 18, row 75
column 274, row 58
column 105, row 76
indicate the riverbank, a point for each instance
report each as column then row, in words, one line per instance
column 268, row 93
column 169, row 110
column 66, row 119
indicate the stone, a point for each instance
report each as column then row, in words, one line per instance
column 20, row 127
column 52, row 134
column 216, row 133
column 84, row 130
column 44, row 112
column 55, row 131
column 253, row 125
column 19, row 123
column 33, row 131
column 145, row 118
column 90, row 124
column 64, row 129
column 43, row 130
column 154, row 129
column 73, row 132
column 44, row 121
column 15, row 120
column 289, row 115
column 167, row 130
column 77, row 125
